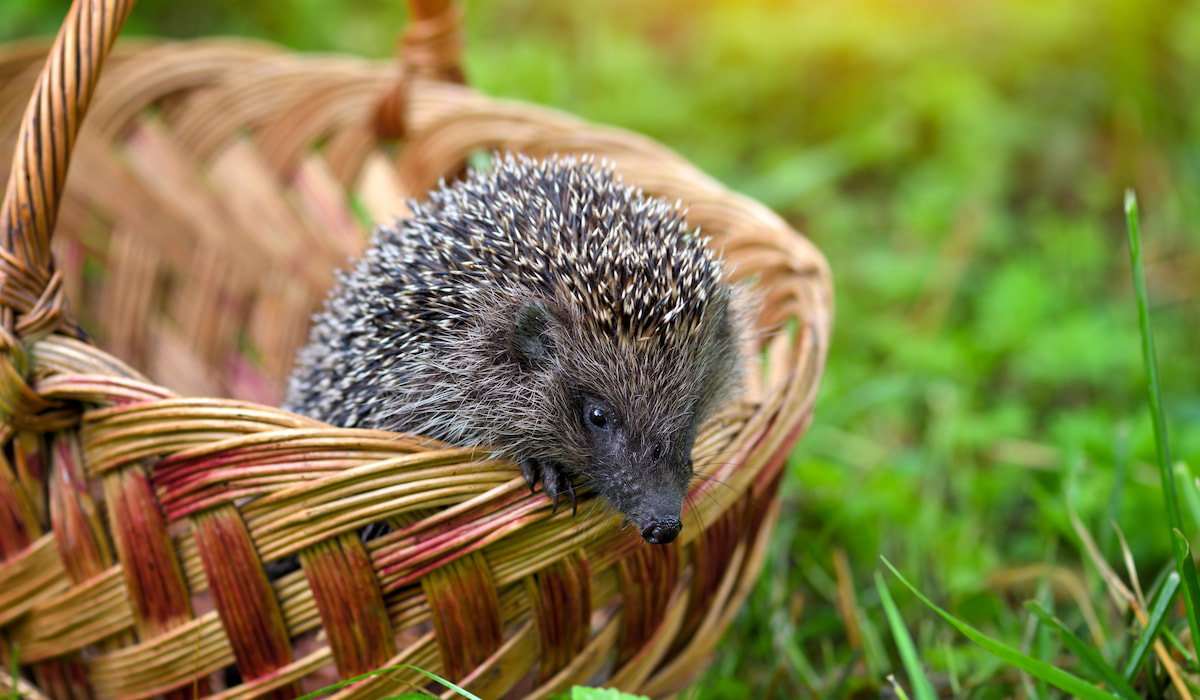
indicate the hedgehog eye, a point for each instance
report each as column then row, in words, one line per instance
column 598, row 416
column 656, row 453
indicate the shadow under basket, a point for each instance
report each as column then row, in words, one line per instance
column 213, row 188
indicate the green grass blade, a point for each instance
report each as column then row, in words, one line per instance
column 580, row 692
column 1152, row 387
column 1085, row 653
column 1058, row 678
column 1184, row 653
column 461, row 691
column 922, row 688
column 376, row 672
column 1186, row 483
column 1158, row 614
column 1191, row 587
column 899, row 690
column 1045, row 597
column 1183, row 560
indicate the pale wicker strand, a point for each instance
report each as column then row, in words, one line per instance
column 47, row 137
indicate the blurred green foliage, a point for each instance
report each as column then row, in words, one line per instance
column 962, row 165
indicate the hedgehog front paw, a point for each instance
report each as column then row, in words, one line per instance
column 555, row 482
column 529, row 470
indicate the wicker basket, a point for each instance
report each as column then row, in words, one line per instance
column 212, row 190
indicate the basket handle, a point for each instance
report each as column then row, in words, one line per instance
column 32, row 300
column 431, row 48
column 31, row 295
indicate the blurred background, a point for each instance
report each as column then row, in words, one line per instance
column 962, row 164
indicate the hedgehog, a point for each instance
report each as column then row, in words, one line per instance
column 549, row 312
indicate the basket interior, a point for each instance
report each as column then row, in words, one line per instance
column 215, row 187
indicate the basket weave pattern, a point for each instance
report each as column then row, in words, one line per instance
column 212, row 190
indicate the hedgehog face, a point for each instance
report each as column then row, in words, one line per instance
column 625, row 414
column 640, row 472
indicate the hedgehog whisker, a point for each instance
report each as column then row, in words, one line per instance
column 607, row 512
column 712, row 464
column 708, row 456
column 587, row 514
column 709, row 493
column 695, row 511
column 714, row 480
column 709, row 468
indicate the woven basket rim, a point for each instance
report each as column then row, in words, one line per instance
column 475, row 545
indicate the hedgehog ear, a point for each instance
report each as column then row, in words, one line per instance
column 529, row 341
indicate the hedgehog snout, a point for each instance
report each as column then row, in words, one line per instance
column 666, row 469
column 650, row 499
column 662, row 530
column 657, row 514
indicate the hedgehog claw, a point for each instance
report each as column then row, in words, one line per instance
column 563, row 486
column 551, row 481
column 571, row 493
column 555, row 483
column 529, row 470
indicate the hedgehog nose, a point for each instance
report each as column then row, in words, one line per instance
column 662, row 530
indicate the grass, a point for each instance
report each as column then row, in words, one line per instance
column 1110, row 680
column 984, row 415
column 459, row 692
